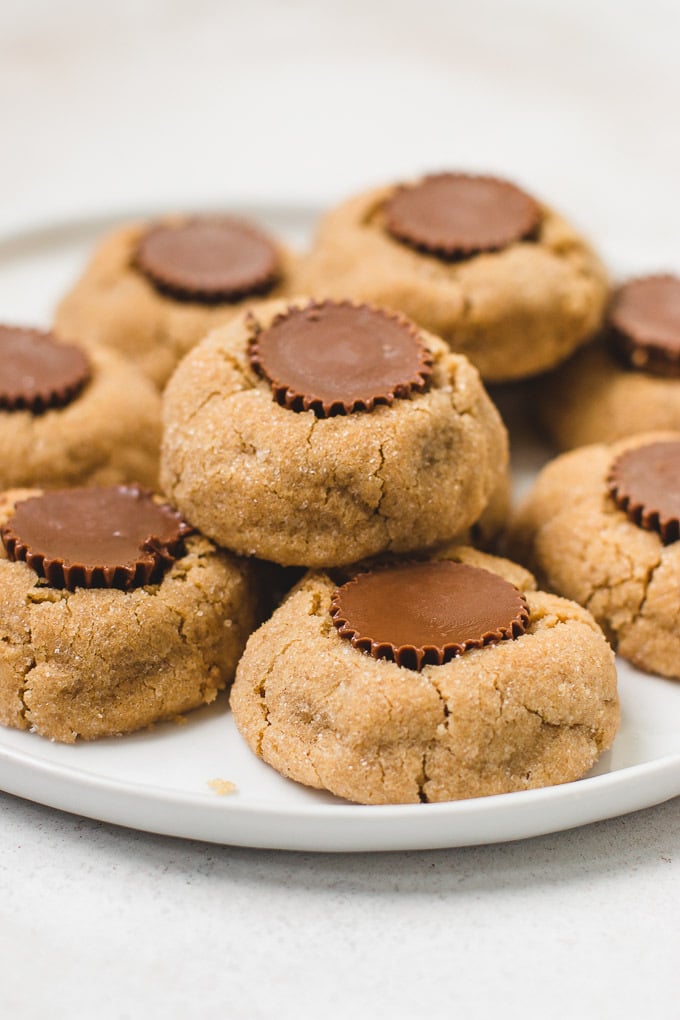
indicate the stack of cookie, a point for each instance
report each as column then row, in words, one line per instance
column 612, row 507
column 345, row 433
column 116, row 612
column 323, row 433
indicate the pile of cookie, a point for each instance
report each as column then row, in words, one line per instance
column 231, row 461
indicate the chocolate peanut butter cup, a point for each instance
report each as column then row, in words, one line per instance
column 421, row 614
column 644, row 324
column 208, row 259
column 645, row 484
column 39, row 372
column 458, row 215
column 117, row 537
column 337, row 358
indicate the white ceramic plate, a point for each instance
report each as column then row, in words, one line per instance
column 158, row 780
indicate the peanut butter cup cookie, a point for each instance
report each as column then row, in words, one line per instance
column 68, row 417
column 316, row 434
column 474, row 259
column 152, row 291
column 601, row 526
column 115, row 613
column 629, row 381
column 427, row 681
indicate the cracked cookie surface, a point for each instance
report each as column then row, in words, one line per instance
column 519, row 714
column 114, row 305
column 96, row 662
column 110, row 433
column 571, row 533
column 287, row 486
column 513, row 313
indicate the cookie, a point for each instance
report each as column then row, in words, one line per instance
column 427, row 682
column 629, row 382
column 600, row 527
column 153, row 290
column 317, row 434
column 473, row 259
column 68, row 417
column 115, row 614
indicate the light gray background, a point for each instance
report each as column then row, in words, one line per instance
column 105, row 106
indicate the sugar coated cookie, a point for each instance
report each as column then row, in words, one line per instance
column 427, row 681
column 473, row 259
column 601, row 526
column 630, row 381
column 70, row 417
column 153, row 290
column 317, row 434
column 115, row 614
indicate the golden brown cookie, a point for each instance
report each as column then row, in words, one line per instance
column 153, row 290
column 629, row 382
column 73, row 418
column 104, row 631
column 410, row 460
column 530, row 701
column 611, row 549
column 476, row 261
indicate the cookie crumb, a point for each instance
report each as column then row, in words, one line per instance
column 222, row 787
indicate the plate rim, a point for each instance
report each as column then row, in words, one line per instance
column 143, row 791
column 324, row 827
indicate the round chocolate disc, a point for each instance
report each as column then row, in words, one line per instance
column 457, row 215
column 208, row 259
column 336, row 358
column 644, row 324
column 645, row 484
column 117, row 537
column 423, row 614
column 38, row 372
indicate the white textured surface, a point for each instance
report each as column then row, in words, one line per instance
column 108, row 923
column 108, row 105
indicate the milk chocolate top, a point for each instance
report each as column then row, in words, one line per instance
column 459, row 215
column 39, row 372
column 117, row 537
column 208, row 259
column 336, row 358
column 422, row 614
column 644, row 324
column 645, row 484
